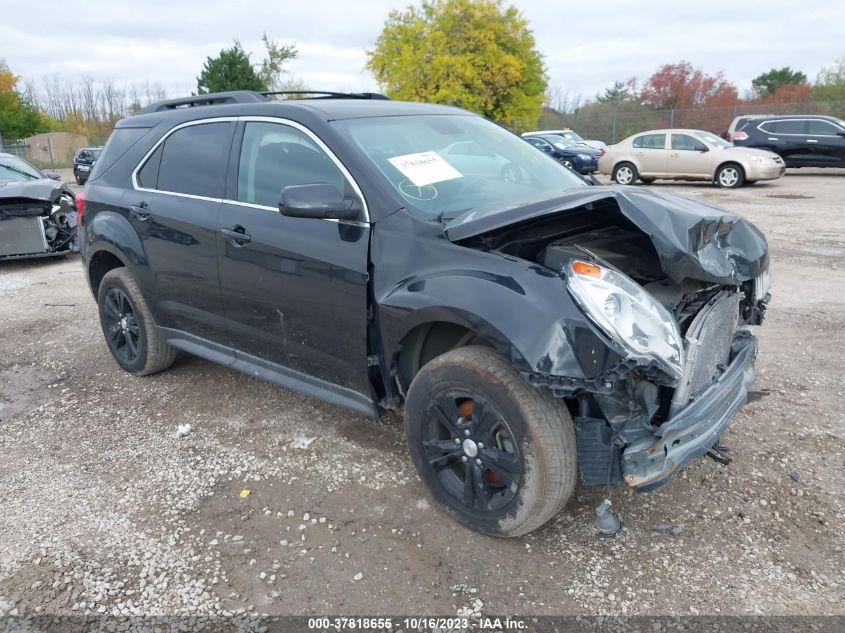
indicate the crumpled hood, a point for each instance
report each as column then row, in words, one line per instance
column 693, row 239
column 45, row 189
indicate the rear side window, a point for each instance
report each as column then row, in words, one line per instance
column 786, row 126
column 120, row 142
column 148, row 176
column 194, row 158
column 650, row 141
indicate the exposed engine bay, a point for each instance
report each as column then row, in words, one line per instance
column 642, row 400
column 37, row 227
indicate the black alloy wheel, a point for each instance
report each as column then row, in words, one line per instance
column 123, row 333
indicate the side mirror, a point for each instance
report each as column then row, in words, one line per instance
column 318, row 201
column 53, row 176
column 703, row 149
column 841, row 133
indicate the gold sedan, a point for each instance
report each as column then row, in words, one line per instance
column 687, row 155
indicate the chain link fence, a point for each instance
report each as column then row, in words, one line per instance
column 606, row 123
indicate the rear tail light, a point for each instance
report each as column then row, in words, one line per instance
column 601, row 153
column 80, row 207
column 740, row 136
column 728, row 137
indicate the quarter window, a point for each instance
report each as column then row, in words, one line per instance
column 275, row 156
column 193, row 160
column 650, row 141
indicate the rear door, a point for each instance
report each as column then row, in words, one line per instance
column 829, row 142
column 688, row 157
column 787, row 137
column 294, row 289
column 174, row 206
column 651, row 154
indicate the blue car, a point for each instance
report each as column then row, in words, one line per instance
column 83, row 163
column 579, row 157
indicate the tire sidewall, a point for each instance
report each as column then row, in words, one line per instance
column 634, row 174
column 520, row 507
column 114, row 279
column 740, row 176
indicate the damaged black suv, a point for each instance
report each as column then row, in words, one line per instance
column 533, row 330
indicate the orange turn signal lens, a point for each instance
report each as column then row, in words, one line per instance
column 585, row 268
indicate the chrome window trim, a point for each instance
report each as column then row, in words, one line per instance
column 760, row 127
column 260, row 119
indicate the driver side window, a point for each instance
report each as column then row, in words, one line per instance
column 274, row 156
column 687, row 143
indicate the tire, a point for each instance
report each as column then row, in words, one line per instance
column 729, row 176
column 568, row 164
column 523, row 438
column 124, row 317
column 625, row 174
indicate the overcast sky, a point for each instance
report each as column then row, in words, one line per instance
column 587, row 45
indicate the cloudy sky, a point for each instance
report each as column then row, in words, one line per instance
column 587, row 45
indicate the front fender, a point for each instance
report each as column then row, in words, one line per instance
column 522, row 308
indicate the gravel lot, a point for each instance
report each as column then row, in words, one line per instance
column 106, row 509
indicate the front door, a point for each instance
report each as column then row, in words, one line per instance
column 174, row 208
column 829, row 140
column 688, row 157
column 294, row 289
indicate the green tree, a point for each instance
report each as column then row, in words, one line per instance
column 768, row 83
column 617, row 94
column 230, row 70
column 272, row 68
column 18, row 117
column 476, row 54
column 830, row 84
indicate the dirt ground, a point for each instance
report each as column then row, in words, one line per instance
column 107, row 509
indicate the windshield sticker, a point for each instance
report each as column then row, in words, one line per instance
column 424, row 168
column 426, row 192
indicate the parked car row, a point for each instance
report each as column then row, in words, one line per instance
column 754, row 147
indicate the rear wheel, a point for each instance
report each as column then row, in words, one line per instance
column 494, row 452
column 129, row 327
column 625, row 174
column 730, row 176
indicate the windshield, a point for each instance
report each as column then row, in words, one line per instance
column 448, row 165
column 13, row 168
column 563, row 142
column 713, row 139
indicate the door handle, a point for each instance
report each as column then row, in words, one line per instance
column 140, row 211
column 812, row 140
column 674, row 154
column 237, row 234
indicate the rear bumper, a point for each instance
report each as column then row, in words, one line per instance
column 649, row 463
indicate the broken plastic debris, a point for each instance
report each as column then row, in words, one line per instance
column 245, row 493
column 182, row 430
column 302, row 441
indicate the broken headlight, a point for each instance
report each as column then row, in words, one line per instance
column 628, row 314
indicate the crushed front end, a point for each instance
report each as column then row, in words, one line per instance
column 670, row 288
column 37, row 221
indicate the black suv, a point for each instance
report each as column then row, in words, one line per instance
column 83, row 163
column 801, row 140
column 531, row 328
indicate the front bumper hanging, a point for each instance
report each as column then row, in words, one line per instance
column 650, row 462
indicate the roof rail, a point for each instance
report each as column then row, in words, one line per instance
column 323, row 94
column 214, row 98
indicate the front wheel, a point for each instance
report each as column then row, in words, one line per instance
column 625, row 174
column 129, row 327
column 567, row 163
column 730, row 176
column 494, row 452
